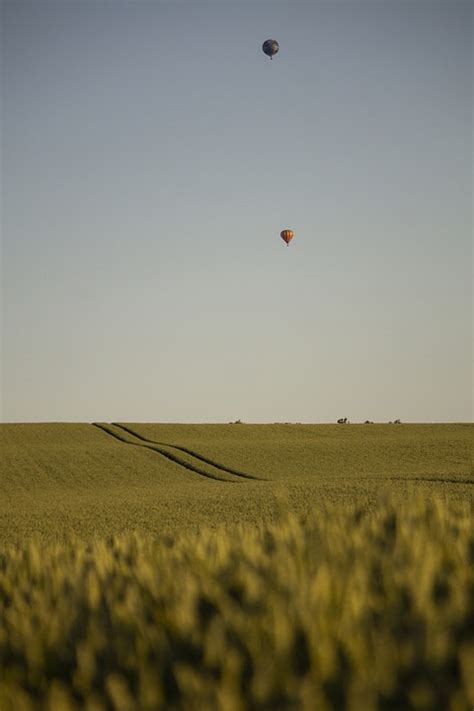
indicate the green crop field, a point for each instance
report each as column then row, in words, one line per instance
column 59, row 480
column 285, row 566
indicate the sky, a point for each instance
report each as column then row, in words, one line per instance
column 150, row 156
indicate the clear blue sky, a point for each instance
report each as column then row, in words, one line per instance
column 151, row 154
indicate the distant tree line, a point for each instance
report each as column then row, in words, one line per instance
column 345, row 421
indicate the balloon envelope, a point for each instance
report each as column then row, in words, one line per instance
column 287, row 236
column 270, row 47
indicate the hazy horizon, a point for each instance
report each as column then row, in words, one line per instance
column 150, row 156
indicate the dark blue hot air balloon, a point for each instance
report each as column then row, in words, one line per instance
column 270, row 47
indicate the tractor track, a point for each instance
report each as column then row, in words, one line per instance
column 439, row 480
column 171, row 457
column 235, row 472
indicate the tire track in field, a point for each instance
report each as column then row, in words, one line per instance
column 439, row 480
column 200, row 457
column 171, row 457
column 407, row 479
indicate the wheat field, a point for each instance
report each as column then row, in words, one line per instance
column 154, row 567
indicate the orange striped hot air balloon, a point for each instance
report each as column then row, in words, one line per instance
column 287, row 236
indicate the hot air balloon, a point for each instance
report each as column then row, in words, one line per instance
column 270, row 47
column 287, row 236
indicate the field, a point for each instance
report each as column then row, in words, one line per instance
column 59, row 480
column 236, row 567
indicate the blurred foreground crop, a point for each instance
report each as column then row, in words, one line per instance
column 349, row 609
